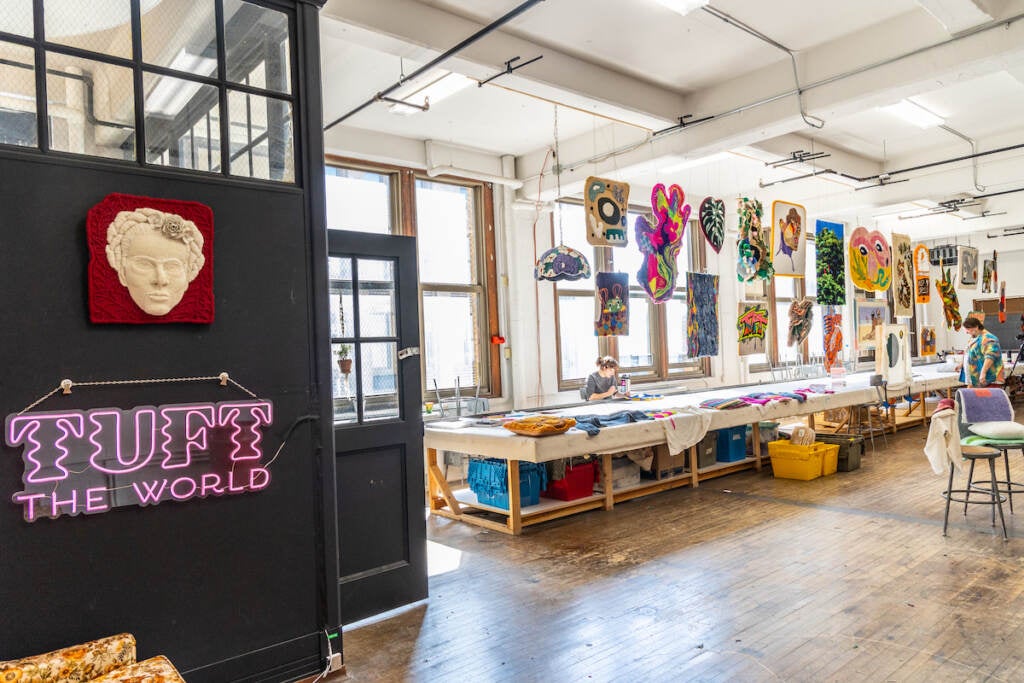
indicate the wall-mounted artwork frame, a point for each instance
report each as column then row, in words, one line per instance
column 871, row 314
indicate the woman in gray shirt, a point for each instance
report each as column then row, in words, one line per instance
column 604, row 383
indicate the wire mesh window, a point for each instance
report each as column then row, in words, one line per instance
column 200, row 81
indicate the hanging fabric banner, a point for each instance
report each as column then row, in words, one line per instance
column 871, row 314
column 988, row 284
column 613, row 304
column 927, row 340
column 754, row 256
column 968, row 261
column 800, row 321
column 788, row 242
column 870, row 260
column 702, row 315
column 903, row 276
column 660, row 243
column 830, row 263
column 1002, row 301
column 712, row 222
column 950, row 303
column 752, row 324
column 605, row 204
column 833, row 326
column 922, row 274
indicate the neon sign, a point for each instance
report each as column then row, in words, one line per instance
column 88, row 461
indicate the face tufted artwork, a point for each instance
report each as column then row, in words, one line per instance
column 754, row 255
column 613, row 304
column 788, row 242
column 870, row 260
column 660, row 243
column 903, row 276
column 151, row 261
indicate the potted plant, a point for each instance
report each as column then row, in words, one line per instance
column 344, row 359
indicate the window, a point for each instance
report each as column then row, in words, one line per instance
column 453, row 223
column 196, row 89
column 655, row 348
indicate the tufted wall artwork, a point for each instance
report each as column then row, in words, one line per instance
column 830, row 263
column 711, row 217
column 789, row 221
column 903, row 276
column 753, row 253
column 660, row 243
column 605, row 204
column 702, row 315
column 832, row 324
column 751, row 326
column 870, row 260
column 922, row 275
column 950, row 302
column 150, row 261
column 561, row 263
column 613, row 304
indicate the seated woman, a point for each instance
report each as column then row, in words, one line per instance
column 604, row 382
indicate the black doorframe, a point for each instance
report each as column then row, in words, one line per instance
column 379, row 464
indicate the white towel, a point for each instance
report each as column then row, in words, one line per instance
column 943, row 444
column 685, row 428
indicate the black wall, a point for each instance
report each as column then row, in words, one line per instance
column 204, row 581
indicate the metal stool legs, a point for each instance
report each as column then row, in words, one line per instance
column 995, row 497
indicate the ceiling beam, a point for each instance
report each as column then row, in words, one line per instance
column 558, row 76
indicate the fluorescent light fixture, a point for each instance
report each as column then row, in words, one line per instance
column 171, row 94
column 914, row 113
column 683, row 7
column 442, row 84
column 696, row 161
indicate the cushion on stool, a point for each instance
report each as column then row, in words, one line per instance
column 1002, row 429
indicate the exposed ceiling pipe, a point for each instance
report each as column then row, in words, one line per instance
column 1002, row 23
column 974, row 150
column 733, row 21
column 437, row 60
column 434, row 170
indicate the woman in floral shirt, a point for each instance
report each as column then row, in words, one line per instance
column 983, row 363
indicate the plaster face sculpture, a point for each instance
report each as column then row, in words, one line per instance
column 151, row 261
column 870, row 260
column 605, row 205
column 156, row 256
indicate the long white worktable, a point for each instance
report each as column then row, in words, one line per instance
column 497, row 442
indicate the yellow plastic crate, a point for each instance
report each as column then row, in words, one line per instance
column 829, row 458
column 799, row 462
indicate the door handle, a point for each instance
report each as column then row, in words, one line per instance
column 408, row 351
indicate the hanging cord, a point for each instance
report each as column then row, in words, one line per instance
column 558, row 181
column 66, row 385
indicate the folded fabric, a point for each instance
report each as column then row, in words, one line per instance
column 984, row 405
column 591, row 424
column 978, row 440
column 685, row 428
column 1001, row 429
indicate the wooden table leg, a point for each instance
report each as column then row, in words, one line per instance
column 515, row 510
column 694, row 477
column 810, row 420
column 606, row 480
column 438, row 484
column 755, row 444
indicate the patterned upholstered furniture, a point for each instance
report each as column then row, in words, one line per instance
column 107, row 660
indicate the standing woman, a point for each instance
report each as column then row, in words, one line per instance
column 983, row 362
column 604, row 382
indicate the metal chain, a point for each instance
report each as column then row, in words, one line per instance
column 66, row 385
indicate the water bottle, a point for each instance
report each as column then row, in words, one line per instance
column 624, row 384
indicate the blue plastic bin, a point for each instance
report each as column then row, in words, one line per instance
column 732, row 444
column 488, row 479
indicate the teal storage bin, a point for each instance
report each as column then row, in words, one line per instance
column 732, row 444
column 488, row 479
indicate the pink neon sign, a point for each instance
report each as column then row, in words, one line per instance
column 88, row 461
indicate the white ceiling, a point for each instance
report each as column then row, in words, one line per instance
column 622, row 69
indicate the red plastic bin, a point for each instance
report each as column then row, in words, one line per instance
column 578, row 482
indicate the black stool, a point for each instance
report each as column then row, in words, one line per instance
column 1006, row 486
column 994, row 498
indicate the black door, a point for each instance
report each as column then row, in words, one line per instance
column 378, row 428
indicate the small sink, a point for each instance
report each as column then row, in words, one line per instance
column 451, row 423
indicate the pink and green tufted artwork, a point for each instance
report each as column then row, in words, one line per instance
column 660, row 243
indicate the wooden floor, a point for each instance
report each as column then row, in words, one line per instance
column 746, row 578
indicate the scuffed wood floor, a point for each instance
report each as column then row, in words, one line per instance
column 746, row 578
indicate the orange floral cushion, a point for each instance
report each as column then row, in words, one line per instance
column 153, row 670
column 74, row 664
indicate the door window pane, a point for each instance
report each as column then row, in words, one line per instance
column 451, row 338
column 182, row 119
column 98, row 25
column 379, row 380
column 343, row 377
column 91, row 107
column 341, row 306
column 261, row 137
column 17, row 95
column 376, row 299
column 446, row 228
column 358, row 200
column 16, row 17
column 182, row 36
column 577, row 342
column 675, row 335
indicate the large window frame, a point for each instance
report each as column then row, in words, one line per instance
column 403, row 220
column 660, row 369
column 224, row 85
